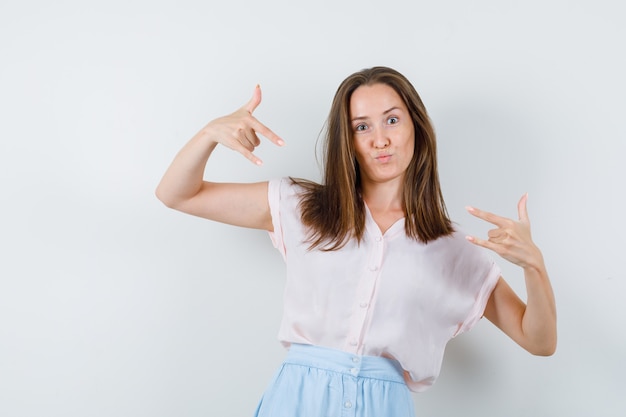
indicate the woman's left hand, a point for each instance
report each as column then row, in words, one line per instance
column 510, row 239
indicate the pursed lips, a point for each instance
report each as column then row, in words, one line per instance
column 383, row 157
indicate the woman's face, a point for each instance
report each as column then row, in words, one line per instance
column 384, row 136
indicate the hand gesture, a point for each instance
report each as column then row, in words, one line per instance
column 238, row 131
column 510, row 239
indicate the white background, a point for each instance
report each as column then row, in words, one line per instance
column 113, row 305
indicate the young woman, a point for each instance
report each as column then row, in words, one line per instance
column 378, row 279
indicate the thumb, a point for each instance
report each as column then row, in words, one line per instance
column 522, row 208
column 255, row 100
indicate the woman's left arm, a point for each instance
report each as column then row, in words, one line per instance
column 531, row 325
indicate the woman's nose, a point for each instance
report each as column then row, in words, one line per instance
column 381, row 141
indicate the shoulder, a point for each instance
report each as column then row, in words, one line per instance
column 281, row 187
column 453, row 242
column 456, row 249
column 289, row 191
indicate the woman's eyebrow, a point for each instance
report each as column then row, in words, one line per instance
column 354, row 119
column 391, row 109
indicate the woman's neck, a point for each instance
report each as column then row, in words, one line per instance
column 382, row 197
column 385, row 204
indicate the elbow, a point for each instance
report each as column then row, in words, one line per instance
column 165, row 198
column 547, row 351
column 547, row 348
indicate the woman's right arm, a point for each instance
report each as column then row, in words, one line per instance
column 183, row 187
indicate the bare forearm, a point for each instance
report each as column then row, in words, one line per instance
column 184, row 177
column 539, row 320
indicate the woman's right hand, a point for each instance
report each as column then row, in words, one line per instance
column 238, row 130
column 242, row 204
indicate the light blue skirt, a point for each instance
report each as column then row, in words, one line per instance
column 320, row 382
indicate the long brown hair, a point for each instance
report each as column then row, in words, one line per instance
column 334, row 210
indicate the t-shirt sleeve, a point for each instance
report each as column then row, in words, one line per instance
column 274, row 198
column 488, row 273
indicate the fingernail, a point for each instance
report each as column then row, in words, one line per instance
column 470, row 238
column 280, row 142
column 469, row 208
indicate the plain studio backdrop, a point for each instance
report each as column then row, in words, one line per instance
column 113, row 305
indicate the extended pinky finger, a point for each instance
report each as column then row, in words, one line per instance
column 248, row 154
column 253, row 158
column 480, row 242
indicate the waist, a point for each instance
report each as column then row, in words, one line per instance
column 333, row 360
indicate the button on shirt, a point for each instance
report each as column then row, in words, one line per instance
column 388, row 296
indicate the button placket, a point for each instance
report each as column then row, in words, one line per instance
column 365, row 292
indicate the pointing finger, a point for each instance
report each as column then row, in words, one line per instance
column 485, row 215
column 255, row 124
column 267, row 132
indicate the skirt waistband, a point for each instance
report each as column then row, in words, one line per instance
column 345, row 363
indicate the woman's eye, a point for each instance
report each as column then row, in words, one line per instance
column 392, row 120
column 360, row 128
